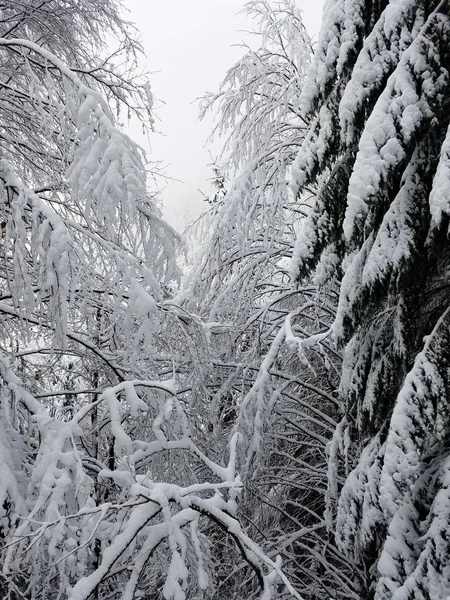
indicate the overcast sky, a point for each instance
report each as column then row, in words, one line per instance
column 190, row 45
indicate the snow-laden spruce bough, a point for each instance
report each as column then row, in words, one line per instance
column 378, row 98
column 280, row 428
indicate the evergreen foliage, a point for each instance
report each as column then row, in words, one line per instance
column 377, row 94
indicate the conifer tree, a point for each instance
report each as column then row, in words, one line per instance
column 378, row 150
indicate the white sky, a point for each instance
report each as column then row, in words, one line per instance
column 190, row 45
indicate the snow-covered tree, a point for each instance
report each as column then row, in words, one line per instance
column 377, row 95
column 272, row 373
column 260, row 119
column 105, row 491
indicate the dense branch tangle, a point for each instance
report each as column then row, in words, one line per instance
column 275, row 371
column 103, row 491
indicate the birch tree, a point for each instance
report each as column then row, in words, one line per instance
column 273, row 370
column 105, row 489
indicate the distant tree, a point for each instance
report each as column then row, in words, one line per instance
column 377, row 95
column 218, row 184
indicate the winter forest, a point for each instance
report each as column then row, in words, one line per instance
column 259, row 409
